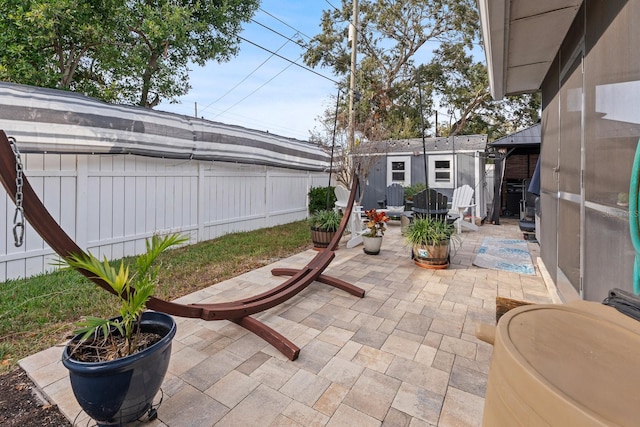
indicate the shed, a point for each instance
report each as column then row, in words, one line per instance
column 450, row 163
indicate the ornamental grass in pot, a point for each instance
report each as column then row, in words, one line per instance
column 324, row 224
column 116, row 366
column 431, row 241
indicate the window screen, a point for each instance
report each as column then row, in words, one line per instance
column 443, row 170
column 397, row 171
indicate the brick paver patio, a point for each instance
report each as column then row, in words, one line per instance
column 404, row 355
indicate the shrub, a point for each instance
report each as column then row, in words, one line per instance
column 412, row 190
column 318, row 199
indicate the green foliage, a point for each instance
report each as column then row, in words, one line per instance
column 318, row 198
column 135, row 52
column 429, row 231
column 391, row 34
column 132, row 289
column 462, row 86
column 325, row 220
column 396, row 94
column 412, row 190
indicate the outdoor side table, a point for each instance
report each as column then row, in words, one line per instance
column 564, row 365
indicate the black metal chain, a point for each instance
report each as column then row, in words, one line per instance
column 18, row 217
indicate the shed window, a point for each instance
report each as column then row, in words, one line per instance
column 399, row 170
column 441, row 171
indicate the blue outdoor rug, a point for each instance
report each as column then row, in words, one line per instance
column 505, row 254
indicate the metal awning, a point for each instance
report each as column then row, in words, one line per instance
column 521, row 39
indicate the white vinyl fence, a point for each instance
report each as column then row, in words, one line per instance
column 109, row 204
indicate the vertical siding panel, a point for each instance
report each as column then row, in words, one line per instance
column 106, row 204
column 32, row 241
column 33, row 162
column 34, row 265
column 160, row 211
column 212, row 205
column 93, row 212
column 136, row 209
column 81, row 192
column 186, row 201
column 119, row 200
column 229, row 191
column 68, row 208
column 194, row 203
column 16, row 269
column 150, row 203
column 200, row 203
column 168, row 202
column 129, row 205
column 106, row 214
column 140, row 201
column 68, row 194
column 50, row 193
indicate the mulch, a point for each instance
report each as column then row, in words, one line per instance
column 21, row 405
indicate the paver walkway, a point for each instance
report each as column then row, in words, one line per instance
column 405, row 355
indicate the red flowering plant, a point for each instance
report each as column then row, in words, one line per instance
column 376, row 223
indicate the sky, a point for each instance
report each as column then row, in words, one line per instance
column 258, row 90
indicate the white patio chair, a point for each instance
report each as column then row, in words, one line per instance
column 461, row 202
column 342, row 197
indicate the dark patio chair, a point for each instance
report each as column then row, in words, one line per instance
column 430, row 202
column 394, row 200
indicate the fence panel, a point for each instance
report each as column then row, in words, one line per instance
column 109, row 204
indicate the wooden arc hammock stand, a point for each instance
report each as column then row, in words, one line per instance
column 239, row 311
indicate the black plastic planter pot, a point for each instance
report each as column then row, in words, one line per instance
column 121, row 391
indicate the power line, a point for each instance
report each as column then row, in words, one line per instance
column 244, row 79
column 298, row 42
column 329, row 3
column 281, row 21
column 272, row 54
column 257, row 89
column 288, row 60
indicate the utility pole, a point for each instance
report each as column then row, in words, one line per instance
column 436, row 132
column 424, row 146
column 353, row 34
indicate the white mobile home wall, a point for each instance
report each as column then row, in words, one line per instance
column 109, row 204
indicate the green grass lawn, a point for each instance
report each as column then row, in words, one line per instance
column 41, row 311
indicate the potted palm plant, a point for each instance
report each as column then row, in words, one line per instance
column 116, row 366
column 431, row 241
column 376, row 225
column 324, row 223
